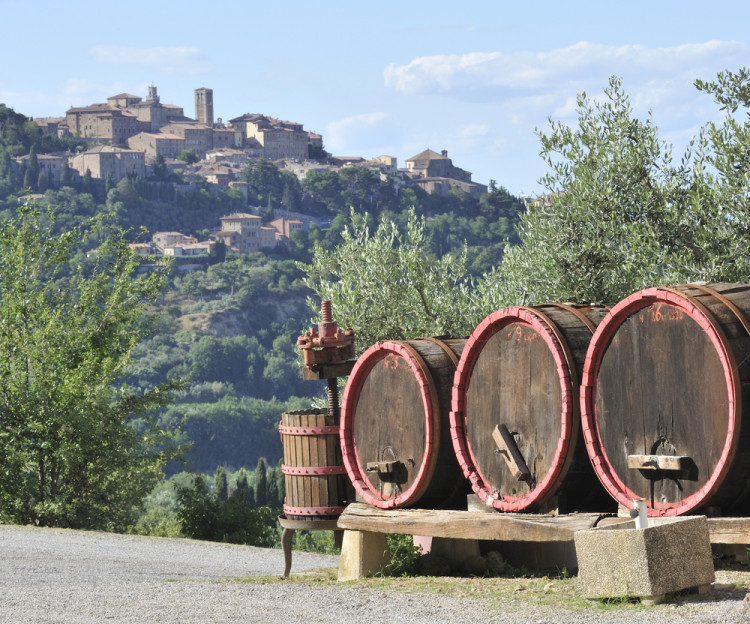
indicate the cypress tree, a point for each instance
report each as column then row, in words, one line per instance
column 261, row 484
column 41, row 182
column 32, row 169
column 221, row 488
column 243, row 492
column 66, row 175
column 87, row 184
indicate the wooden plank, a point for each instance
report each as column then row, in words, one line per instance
column 328, row 371
column 506, row 527
column 729, row 530
column 467, row 524
column 659, row 462
column 509, row 450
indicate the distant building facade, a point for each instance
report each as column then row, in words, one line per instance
column 286, row 227
column 274, row 138
column 154, row 144
column 435, row 173
column 106, row 161
column 121, row 117
column 168, row 240
column 240, row 232
column 101, row 122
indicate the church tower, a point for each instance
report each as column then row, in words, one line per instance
column 204, row 106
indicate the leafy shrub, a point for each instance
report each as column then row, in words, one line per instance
column 206, row 517
column 404, row 554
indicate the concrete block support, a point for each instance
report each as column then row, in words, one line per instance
column 362, row 554
column 671, row 554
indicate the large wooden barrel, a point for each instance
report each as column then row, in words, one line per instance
column 395, row 425
column 664, row 399
column 314, row 477
column 515, row 420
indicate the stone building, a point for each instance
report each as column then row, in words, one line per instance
column 54, row 126
column 102, row 122
column 50, row 164
column 240, row 232
column 168, row 240
column 224, row 138
column 276, row 139
column 154, row 144
column 151, row 113
column 121, row 117
column 197, row 136
column 435, row 173
column 285, row 227
column 268, row 236
column 189, row 249
column 106, row 161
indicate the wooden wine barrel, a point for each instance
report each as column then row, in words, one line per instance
column 314, row 477
column 664, row 399
column 394, row 425
column 515, row 421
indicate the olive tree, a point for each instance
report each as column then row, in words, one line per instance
column 385, row 285
column 622, row 215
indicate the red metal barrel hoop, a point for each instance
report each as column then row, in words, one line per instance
column 645, row 307
column 533, row 325
column 393, row 368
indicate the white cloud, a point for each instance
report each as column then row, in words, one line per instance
column 475, row 131
column 83, row 90
column 180, row 59
column 349, row 132
column 483, row 75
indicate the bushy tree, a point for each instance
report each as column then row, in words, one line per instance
column 73, row 453
column 189, row 156
column 207, row 517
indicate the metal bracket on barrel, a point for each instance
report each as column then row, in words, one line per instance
column 507, row 447
column 382, row 467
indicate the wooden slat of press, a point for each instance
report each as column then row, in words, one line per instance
column 312, row 481
column 298, row 494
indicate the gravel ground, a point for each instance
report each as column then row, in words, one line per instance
column 78, row 577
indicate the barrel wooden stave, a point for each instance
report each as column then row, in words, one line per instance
column 396, row 409
column 520, row 369
column 312, row 496
column 668, row 375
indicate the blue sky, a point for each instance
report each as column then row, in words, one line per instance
column 474, row 78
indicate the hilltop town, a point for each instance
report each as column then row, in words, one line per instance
column 132, row 136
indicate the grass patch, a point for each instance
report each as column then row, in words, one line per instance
column 553, row 591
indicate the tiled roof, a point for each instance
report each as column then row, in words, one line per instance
column 428, row 154
column 239, row 215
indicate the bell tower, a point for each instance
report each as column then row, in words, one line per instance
column 204, row 106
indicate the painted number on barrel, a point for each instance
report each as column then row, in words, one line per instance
column 519, row 333
column 393, row 362
column 659, row 312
